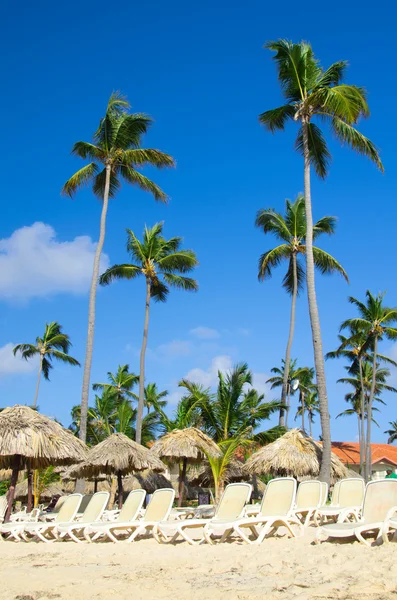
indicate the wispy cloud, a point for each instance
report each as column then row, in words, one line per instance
column 34, row 264
column 209, row 377
column 12, row 365
column 205, row 333
column 174, row 348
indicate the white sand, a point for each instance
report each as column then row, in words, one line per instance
column 280, row 568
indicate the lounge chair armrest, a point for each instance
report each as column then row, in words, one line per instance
column 391, row 513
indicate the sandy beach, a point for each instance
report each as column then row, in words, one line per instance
column 280, row 568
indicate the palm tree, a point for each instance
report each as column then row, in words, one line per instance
column 310, row 92
column 163, row 263
column 152, row 397
column 277, row 381
column 231, row 416
column 374, row 322
column 308, row 397
column 392, row 433
column 291, row 231
column 117, row 149
column 351, row 347
column 53, row 345
column 120, row 382
column 311, row 406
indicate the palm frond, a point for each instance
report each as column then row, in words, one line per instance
column 276, row 118
column 184, row 283
column 327, row 264
column 318, row 152
column 124, row 271
column 136, row 178
column 357, row 141
column 148, row 156
column 79, row 179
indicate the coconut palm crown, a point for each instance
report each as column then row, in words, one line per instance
column 53, row 345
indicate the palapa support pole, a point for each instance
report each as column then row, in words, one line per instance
column 95, row 485
column 182, row 476
column 30, row 491
column 120, row 487
column 13, row 483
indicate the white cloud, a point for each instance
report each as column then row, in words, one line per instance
column 34, row 264
column 392, row 353
column 209, row 377
column 259, row 383
column 243, row 331
column 11, row 365
column 205, row 333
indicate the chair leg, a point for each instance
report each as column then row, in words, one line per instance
column 74, row 537
column 189, row 540
column 241, row 533
column 360, row 538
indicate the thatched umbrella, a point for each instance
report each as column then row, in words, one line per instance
column 119, row 455
column 295, row 455
column 30, row 440
column 191, row 445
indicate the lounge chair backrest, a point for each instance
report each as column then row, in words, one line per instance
column 160, row 505
column 380, row 497
column 279, row 497
column 132, row 506
column 59, row 504
column 324, row 493
column 335, row 494
column 69, row 508
column 95, row 507
column 309, row 494
column 233, row 500
column 351, row 492
column 3, row 507
column 85, row 502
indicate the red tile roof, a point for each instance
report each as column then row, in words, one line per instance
column 349, row 452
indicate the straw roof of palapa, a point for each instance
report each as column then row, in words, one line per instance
column 293, row 454
column 117, row 453
column 36, row 440
column 190, row 443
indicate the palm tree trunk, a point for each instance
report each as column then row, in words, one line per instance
column 310, row 425
column 288, row 404
column 38, row 381
column 362, row 419
column 142, row 367
column 120, row 489
column 91, row 311
column 325, row 471
column 30, row 492
column 303, row 410
column 13, row 482
column 287, row 363
column 182, row 476
column 368, row 456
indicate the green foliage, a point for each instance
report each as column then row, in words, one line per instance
column 53, row 345
column 162, row 262
column 291, row 229
column 314, row 93
column 117, row 143
column 392, row 432
column 121, row 383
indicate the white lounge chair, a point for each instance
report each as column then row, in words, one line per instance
column 28, row 530
column 51, row 516
column 380, row 497
column 158, row 509
column 308, row 498
column 390, row 524
column 130, row 512
column 92, row 513
column 276, row 510
column 230, row 508
column 3, row 507
column 346, row 503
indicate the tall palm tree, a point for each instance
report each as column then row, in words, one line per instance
column 116, row 155
column 392, row 433
column 314, row 93
column 121, row 383
column 231, row 416
column 291, row 231
column 374, row 322
column 53, row 345
column 351, row 347
column 163, row 263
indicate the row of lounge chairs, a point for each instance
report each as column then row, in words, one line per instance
column 353, row 511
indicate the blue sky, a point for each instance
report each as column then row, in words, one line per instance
column 201, row 72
